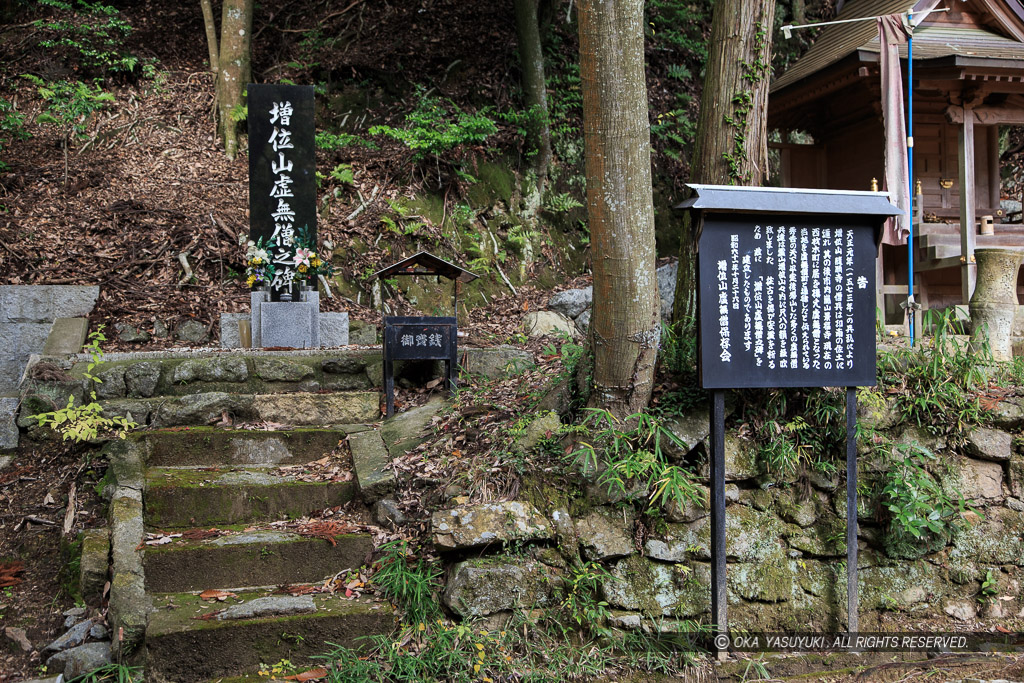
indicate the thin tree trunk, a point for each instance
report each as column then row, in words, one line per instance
column 235, row 66
column 732, row 139
column 211, row 33
column 531, row 58
column 625, row 326
column 799, row 12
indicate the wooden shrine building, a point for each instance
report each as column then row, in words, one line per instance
column 968, row 81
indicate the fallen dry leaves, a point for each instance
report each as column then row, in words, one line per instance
column 216, row 594
column 9, row 573
column 326, row 530
column 209, row 615
column 295, row 590
column 311, row 675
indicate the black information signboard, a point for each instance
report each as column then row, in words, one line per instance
column 787, row 301
column 418, row 338
column 421, row 337
column 786, row 296
column 282, row 172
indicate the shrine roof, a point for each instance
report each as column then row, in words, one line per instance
column 983, row 29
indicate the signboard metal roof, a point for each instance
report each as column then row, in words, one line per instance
column 741, row 199
column 425, row 263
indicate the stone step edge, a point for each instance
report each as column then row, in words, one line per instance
column 190, row 500
column 182, row 648
column 251, row 560
column 188, row 605
column 205, row 408
column 199, row 446
column 206, row 476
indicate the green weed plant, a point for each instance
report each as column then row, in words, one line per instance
column 937, row 384
column 87, row 423
column 922, row 516
column 631, row 453
column 411, row 583
column 70, row 105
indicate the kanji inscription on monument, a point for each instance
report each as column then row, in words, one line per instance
column 787, row 301
column 282, row 173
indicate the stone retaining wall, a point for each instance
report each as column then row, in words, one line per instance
column 785, row 543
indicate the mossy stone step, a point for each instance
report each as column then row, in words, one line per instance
column 298, row 409
column 183, row 645
column 254, row 558
column 190, row 497
column 186, row 446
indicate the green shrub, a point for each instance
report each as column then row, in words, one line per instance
column 69, row 104
column 334, row 141
column 411, row 584
column 437, row 126
column 938, row 383
column 91, row 33
column 922, row 517
column 12, row 127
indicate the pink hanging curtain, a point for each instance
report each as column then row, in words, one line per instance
column 893, row 32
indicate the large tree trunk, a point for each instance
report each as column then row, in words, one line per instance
column 235, row 66
column 531, row 61
column 732, row 138
column 625, row 326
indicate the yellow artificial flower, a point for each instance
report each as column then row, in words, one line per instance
column 303, row 268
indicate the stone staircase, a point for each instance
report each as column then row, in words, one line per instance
column 255, row 550
column 235, row 450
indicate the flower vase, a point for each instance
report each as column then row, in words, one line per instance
column 994, row 303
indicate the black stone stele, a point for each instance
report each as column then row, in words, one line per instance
column 422, row 337
column 785, row 298
column 282, row 173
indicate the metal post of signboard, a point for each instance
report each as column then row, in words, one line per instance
column 851, row 509
column 719, row 618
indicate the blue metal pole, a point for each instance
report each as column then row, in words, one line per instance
column 910, row 181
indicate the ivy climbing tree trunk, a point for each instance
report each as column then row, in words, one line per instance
column 231, row 62
column 731, row 147
column 625, row 325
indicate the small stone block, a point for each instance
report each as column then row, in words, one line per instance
column 286, row 324
column 311, row 298
column 24, row 303
column 73, row 301
column 8, row 424
column 359, row 332
column 334, row 329
column 256, row 300
column 229, row 330
column 245, row 333
column 95, row 559
column 66, row 336
column 371, row 461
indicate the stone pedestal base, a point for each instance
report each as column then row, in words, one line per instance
column 293, row 324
